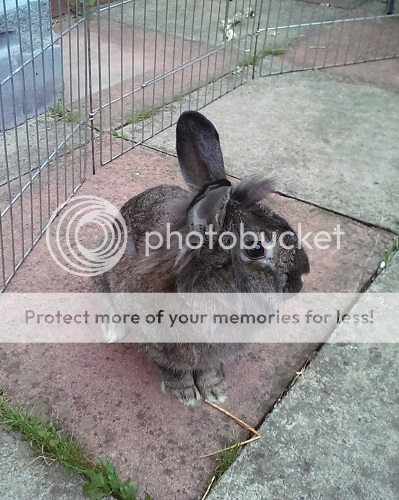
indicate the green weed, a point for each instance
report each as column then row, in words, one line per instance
column 53, row 444
column 251, row 61
column 60, row 111
column 223, row 461
column 392, row 249
column 139, row 116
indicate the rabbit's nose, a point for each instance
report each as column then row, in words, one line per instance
column 294, row 283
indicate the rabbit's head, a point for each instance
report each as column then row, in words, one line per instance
column 231, row 242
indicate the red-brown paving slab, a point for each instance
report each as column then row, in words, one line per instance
column 123, row 59
column 110, row 397
column 345, row 43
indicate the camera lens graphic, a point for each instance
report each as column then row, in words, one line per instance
column 67, row 237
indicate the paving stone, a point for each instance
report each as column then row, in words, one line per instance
column 335, row 434
column 325, row 140
column 110, row 397
column 25, row 476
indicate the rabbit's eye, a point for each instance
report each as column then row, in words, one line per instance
column 256, row 252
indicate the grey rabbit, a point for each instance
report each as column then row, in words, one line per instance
column 194, row 370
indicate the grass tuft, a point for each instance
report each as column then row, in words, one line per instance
column 60, row 111
column 223, row 461
column 251, row 61
column 392, row 249
column 54, row 445
column 139, row 116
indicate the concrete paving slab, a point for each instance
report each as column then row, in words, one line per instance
column 326, row 140
column 324, row 34
column 133, row 69
column 389, row 280
column 109, row 396
column 24, row 476
column 143, row 57
column 335, row 434
column 345, row 43
column 382, row 74
column 198, row 21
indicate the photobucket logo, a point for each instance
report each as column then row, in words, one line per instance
column 246, row 239
column 83, row 220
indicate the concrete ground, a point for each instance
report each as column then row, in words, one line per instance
column 336, row 433
column 330, row 142
column 313, row 131
column 110, row 397
column 89, row 387
column 24, row 475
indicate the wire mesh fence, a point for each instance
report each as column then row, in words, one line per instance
column 78, row 74
column 37, row 127
column 153, row 54
column 296, row 36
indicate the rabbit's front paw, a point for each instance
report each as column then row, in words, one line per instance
column 189, row 396
column 215, row 394
column 212, row 385
column 181, row 386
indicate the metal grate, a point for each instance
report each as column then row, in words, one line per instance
column 127, row 69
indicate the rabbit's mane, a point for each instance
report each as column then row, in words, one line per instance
column 163, row 265
column 252, row 190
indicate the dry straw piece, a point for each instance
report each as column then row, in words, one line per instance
column 240, row 422
column 255, row 437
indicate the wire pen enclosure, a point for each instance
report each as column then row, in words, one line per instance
column 127, row 69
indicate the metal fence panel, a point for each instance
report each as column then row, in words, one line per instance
column 151, row 54
column 296, row 35
column 41, row 119
column 128, row 68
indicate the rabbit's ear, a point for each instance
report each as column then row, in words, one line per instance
column 198, row 150
column 208, row 209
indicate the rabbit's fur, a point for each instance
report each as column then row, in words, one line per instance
column 192, row 370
